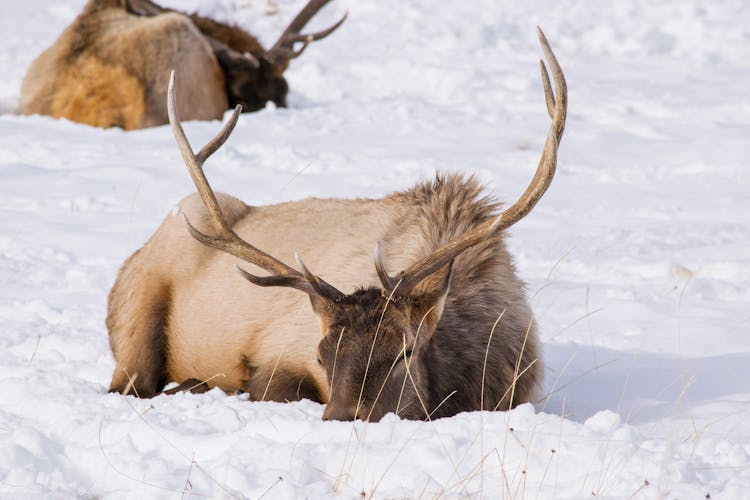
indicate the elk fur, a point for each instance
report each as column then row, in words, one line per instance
column 451, row 332
column 110, row 68
column 180, row 310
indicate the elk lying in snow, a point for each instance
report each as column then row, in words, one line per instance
column 451, row 332
column 111, row 66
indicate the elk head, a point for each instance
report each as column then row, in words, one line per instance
column 375, row 339
column 253, row 75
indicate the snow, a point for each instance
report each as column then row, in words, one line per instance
column 636, row 260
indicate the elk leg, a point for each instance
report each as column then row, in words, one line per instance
column 281, row 385
column 137, row 332
column 193, row 385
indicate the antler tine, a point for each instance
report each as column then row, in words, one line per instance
column 195, row 162
column 303, row 16
column 557, row 104
column 283, row 49
column 549, row 97
column 214, row 144
column 321, row 287
column 286, row 280
column 560, row 99
column 389, row 282
column 227, row 240
column 318, row 35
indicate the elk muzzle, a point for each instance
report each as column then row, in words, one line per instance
column 344, row 413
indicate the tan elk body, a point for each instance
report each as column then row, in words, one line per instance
column 452, row 332
column 110, row 67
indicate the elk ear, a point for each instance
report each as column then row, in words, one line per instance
column 230, row 59
column 322, row 308
column 320, row 305
column 429, row 300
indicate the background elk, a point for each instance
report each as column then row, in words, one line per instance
column 111, row 66
column 451, row 332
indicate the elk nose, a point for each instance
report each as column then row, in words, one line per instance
column 333, row 412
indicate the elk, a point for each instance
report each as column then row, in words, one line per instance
column 110, row 67
column 451, row 332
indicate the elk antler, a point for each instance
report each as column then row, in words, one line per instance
column 283, row 50
column 226, row 239
column 557, row 105
column 145, row 8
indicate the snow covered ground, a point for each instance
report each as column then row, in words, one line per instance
column 637, row 260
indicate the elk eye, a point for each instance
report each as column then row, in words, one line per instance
column 408, row 353
column 320, row 362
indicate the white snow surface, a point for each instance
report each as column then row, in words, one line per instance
column 637, row 260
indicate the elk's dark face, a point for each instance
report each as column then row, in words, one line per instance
column 364, row 352
column 369, row 351
column 253, row 87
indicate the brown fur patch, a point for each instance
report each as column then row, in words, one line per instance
column 282, row 384
column 137, row 324
column 233, row 36
column 99, row 94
